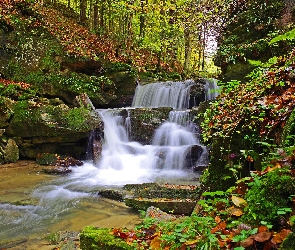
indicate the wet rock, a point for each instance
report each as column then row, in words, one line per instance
column 197, row 93
column 158, row 214
column 199, row 168
column 145, row 121
column 56, row 170
column 56, row 164
column 11, row 153
column 112, row 194
column 64, row 240
column 174, row 206
column 170, row 198
column 90, row 67
column 170, row 191
column 42, row 127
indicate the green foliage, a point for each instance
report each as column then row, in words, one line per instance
column 82, row 83
column 244, row 234
column 16, row 92
column 24, row 112
column 229, row 86
column 77, row 118
column 290, row 35
column 92, row 238
column 187, row 231
column 248, row 34
column 53, row 238
column 269, row 196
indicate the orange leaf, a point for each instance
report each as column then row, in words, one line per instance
column 155, row 243
column 236, row 211
column 221, row 225
column 279, row 237
column 262, row 229
column 217, row 219
column 222, row 243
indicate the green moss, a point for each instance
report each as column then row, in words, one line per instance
column 267, row 195
column 289, row 130
column 289, row 242
column 11, row 152
column 93, row 238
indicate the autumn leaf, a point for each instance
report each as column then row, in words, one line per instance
column 262, row 229
column 220, row 226
column 155, row 243
column 247, row 242
column 263, row 236
column 235, row 211
column 279, row 237
column 217, row 219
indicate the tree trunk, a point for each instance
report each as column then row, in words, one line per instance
column 204, row 45
column 83, row 7
column 188, row 51
column 95, row 14
column 101, row 14
column 142, row 21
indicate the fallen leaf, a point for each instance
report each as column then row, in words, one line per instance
column 222, row 243
column 263, row 236
column 279, row 237
column 217, row 219
column 220, row 226
column 236, row 211
column 262, row 229
column 247, row 242
column 155, row 243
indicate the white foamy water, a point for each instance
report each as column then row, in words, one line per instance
column 163, row 94
column 123, row 161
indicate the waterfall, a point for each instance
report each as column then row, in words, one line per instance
column 212, row 90
column 174, row 151
column 125, row 161
column 163, row 94
column 131, row 160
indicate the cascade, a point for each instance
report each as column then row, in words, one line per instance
column 168, row 158
column 172, row 142
column 163, row 94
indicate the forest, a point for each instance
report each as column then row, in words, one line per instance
column 54, row 50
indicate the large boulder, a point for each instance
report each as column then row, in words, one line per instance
column 145, row 121
column 39, row 127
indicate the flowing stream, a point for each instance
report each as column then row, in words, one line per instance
column 71, row 202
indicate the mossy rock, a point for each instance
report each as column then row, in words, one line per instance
column 5, row 111
column 112, row 194
column 11, row 152
column 93, row 238
column 170, row 191
column 289, row 242
column 32, row 119
column 145, row 121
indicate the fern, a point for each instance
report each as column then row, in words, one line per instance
column 290, row 35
